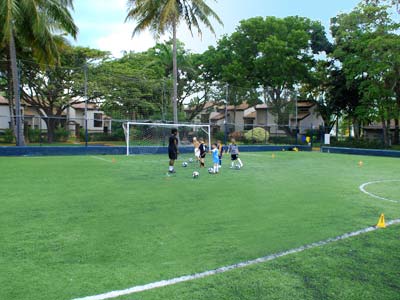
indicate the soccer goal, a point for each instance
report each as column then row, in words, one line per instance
column 150, row 138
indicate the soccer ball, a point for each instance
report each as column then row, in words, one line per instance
column 237, row 167
column 184, row 164
column 195, row 174
column 190, row 160
column 210, row 170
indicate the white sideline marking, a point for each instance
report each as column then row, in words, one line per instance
column 162, row 283
column 362, row 189
column 102, row 159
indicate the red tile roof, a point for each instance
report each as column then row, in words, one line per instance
column 215, row 116
column 251, row 115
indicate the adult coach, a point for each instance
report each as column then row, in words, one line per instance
column 173, row 149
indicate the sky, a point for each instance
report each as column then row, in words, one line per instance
column 102, row 23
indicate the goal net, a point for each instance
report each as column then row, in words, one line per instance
column 152, row 138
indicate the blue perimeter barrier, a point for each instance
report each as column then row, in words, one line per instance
column 358, row 151
column 121, row 150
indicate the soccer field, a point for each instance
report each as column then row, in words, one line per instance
column 85, row 225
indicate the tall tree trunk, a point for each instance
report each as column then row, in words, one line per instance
column 337, row 127
column 356, row 126
column 175, row 74
column 10, row 97
column 385, row 133
column 51, row 126
column 14, row 70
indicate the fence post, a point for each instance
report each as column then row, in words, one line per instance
column 40, row 131
column 226, row 115
column 312, row 136
column 86, row 105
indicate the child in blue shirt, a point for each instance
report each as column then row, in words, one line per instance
column 215, row 157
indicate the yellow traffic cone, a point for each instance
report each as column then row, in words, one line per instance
column 273, row 155
column 360, row 163
column 381, row 222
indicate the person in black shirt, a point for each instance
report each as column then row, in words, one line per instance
column 173, row 149
column 203, row 151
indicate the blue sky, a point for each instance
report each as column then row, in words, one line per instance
column 101, row 22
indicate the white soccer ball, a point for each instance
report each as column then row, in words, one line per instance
column 190, row 160
column 184, row 164
column 237, row 167
column 195, row 174
column 210, row 170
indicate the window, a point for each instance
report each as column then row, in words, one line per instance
column 98, row 120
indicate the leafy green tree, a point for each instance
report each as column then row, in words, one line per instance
column 367, row 47
column 161, row 16
column 126, row 86
column 32, row 24
column 271, row 54
column 51, row 90
column 162, row 57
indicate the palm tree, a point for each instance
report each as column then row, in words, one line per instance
column 161, row 16
column 33, row 24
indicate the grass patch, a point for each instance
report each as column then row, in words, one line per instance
column 77, row 226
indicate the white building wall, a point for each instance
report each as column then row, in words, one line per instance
column 239, row 121
column 80, row 119
column 313, row 120
column 4, row 117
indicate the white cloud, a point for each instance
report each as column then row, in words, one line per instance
column 102, row 26
column 119, row 39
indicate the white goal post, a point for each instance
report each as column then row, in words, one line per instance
column 150, row 137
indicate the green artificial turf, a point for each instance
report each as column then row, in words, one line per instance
column 78, row 226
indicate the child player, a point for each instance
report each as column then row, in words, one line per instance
column 203, row 151
column 215, row 157
column 234, row 151
column 196, row 146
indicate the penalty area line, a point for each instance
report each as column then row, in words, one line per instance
column 102, row 159
column 162, row 283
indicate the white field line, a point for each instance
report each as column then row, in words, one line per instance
column 362, row 189
column 102, row 159
column 162, row 283
column 132, row 161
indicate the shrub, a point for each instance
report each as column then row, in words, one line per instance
column 257, row 135
column 315, row 135
column 357, row 143
column 33, row 135
column 8, row 136
column 61, row 134
column 220, row 135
